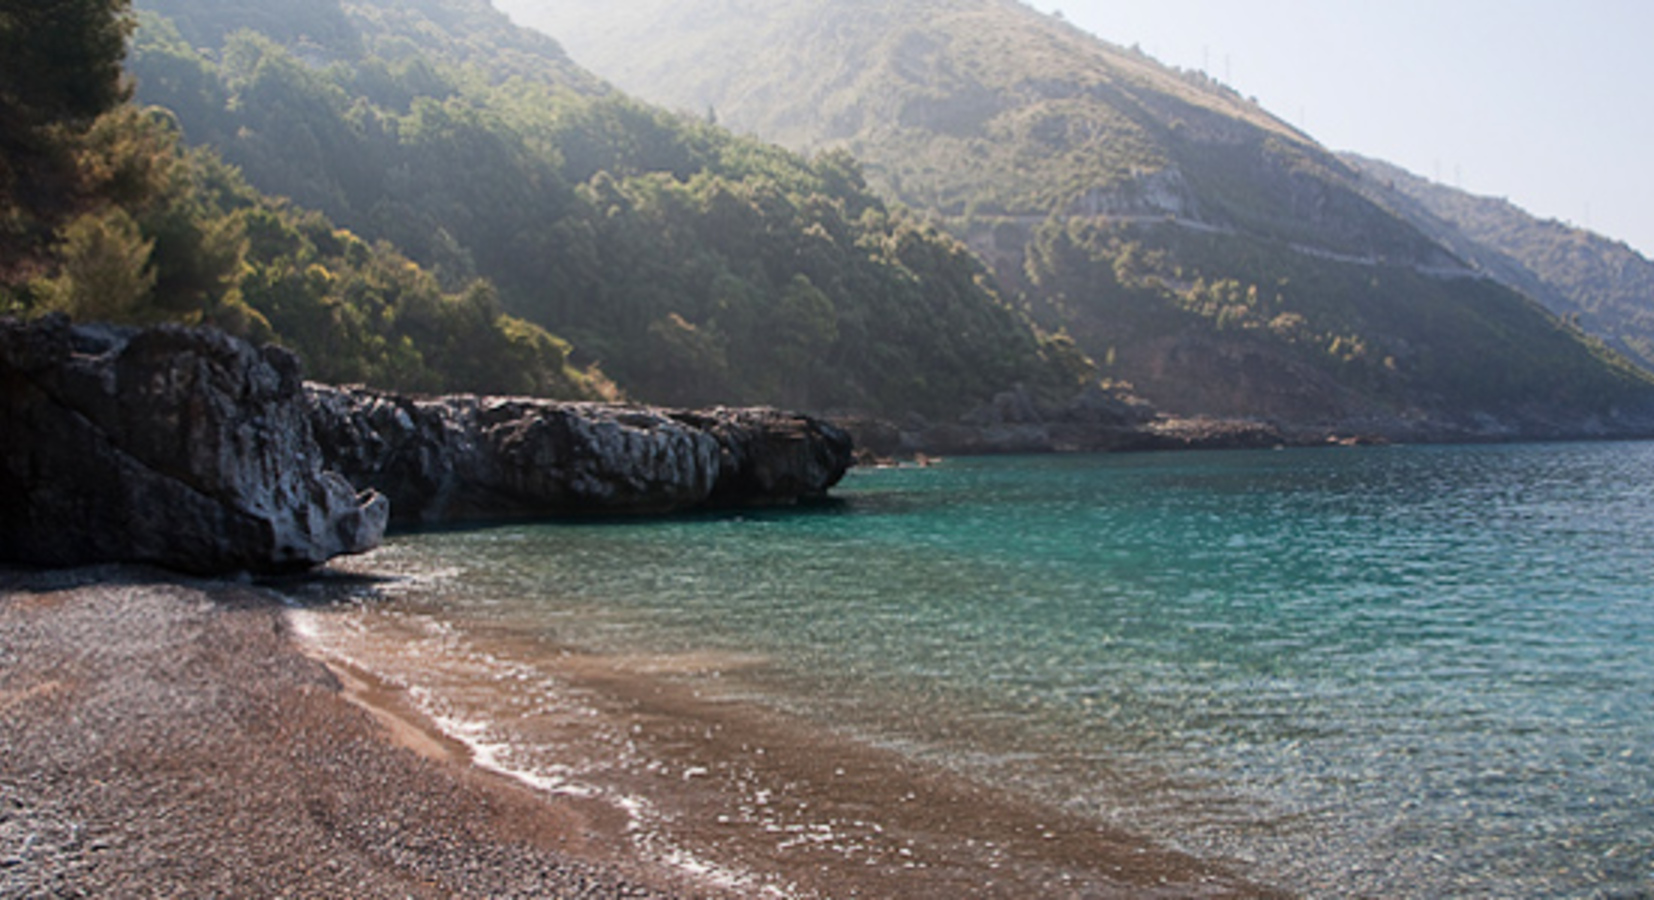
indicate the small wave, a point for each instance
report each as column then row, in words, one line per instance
column 470, row 695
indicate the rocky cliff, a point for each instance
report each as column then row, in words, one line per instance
column 179, row 447
column 193, row 450
column 465, row 457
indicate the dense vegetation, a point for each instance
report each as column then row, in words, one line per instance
column 1189, row 242
column 461, row 169
column 982, row 109
column 107, row 218
column 1603, row 285
column 59, row 71
column 1344, row 329
column 692, row 265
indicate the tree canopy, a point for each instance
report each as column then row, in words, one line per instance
column 60, row 60
column 120, row 223
column 693, row 265
column 60, row 68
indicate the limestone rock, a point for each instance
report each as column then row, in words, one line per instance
column 466, row 457
column 768, row 457
column 180, row 447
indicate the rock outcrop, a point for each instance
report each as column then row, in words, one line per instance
column 464, row 457
column 1096, row 420
column 192, row 450
column 180, row 447
column 1202, row 433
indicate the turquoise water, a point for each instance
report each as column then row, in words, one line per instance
column 1391, row 671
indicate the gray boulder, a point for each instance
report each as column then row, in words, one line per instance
column 180, row 447
column 464, row 457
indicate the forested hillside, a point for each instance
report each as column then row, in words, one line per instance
column 463, row 207
column 692, row 266
column 1603, row 285
column 1190, row 242
column 106, row 217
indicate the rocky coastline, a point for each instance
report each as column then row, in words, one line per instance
column 1112, row 419
column 184, row 448
column 1098, row 420
column 193, row 450
column 460, row 458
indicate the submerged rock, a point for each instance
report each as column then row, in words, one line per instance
column 466, row 457
column 181, row 447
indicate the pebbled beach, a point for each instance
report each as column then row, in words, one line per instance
column 167, row 738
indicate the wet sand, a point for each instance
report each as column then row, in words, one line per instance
column 161, row 738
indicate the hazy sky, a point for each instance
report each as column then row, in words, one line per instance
column 1547, row 103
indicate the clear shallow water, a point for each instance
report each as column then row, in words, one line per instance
column 1392, row 671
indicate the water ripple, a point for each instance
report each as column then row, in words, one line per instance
column 1407, row 672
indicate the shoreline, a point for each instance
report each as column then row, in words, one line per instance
column 166, row 737
column 765, row 801
column 349, row 773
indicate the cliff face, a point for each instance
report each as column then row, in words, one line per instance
column 190, row 449
column 466, row 457
column 178, row 447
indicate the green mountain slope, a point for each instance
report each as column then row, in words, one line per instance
column 415, row 32
column 104, row 216
column 1604, row 285
column 1191, row 243
column 694, row 266
column 981, row 107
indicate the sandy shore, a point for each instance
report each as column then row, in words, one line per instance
column 168, row 738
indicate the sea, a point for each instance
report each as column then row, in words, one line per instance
column 1381, row 671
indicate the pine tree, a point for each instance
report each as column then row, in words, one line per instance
column 60, row 60
column 106, row 273
column 60, row 69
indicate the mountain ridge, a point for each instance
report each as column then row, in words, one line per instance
column 1604, row 284
column 695, row 266
column 962, row 76
column 1190, row 243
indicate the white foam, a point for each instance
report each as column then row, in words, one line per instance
column 434, row 661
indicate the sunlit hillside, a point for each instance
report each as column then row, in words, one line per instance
column 1189, row 241
column 692, row 266
column 1602, row 284
column 966, row 106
